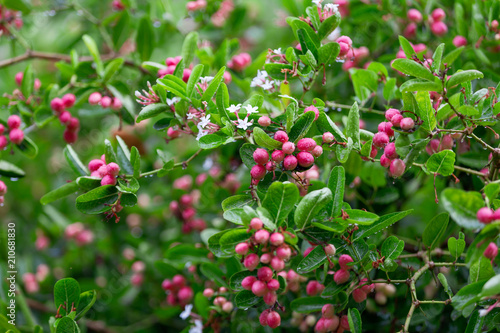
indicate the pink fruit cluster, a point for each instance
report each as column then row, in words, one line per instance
column 16, row 135
column 438, row 27
column 105, row 101
column 329, row 322
column 354, row 57
column 3, row 191
column 107, row 172
column 487, row 215
column 219, row 17
column 185, row 211
column 30, row 283
column 263, row 285
column 345, row 44
column 191, row 6
column 382, row 291
column 220, row 301
column 293, row 280
column 179, row 293
column 60, row 107
column 138, row 268
column 437, row 145
column 359, row 294
column 78, row 232
column 270, row 318
column 491, row 251
column 171, row 64
column 240, row 61
column 342, row 275
column 382, row 139
column 9, row 18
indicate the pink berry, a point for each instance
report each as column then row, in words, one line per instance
column 317, row 151
column 106, row 101
column 73, row 124
column 186, row 74
column 306, row 144
column 397, row 168
column 228, row 78
column 358, row 295
column 276, row 239
column 277, row 264
column 344, row 322
column 281, row 136
column 266, row 258
column 247, row 282
column 57, row 105
column 446, row 142
column 38, row 84
column 178, row 281
column 438, row 14
column 263, row 317
column 432, row 147
column 344, row 39
column 19, row 78
column 396, row 120
column 14, row 121
column 227, row 307
column 290, row 162
column 273, row 319
column 313, row 288
column 265, row 274
column 16, row 136
column 341, row 276
column 288, row 147
column 259, row 288
column 64, row 117
column 391, row 113
column 251, row 261
column 331, row 324
column 330, row 250
column 344, row 260
column 95, row 98
column 108, row 180
column 94, row 165
column 328, row 311
column 185, row 295
column 344, row 49
column 414, row 15
column 459, row 41
column 273, row 285
column 3, row 142
column 386, row 127
column 305, row 159
column 410, row 30
column 390, row 151
column 327, row 137
column 3, row 188
column 270, row 298
column 320, row 326
column 256, row 223
column 407, row 124
column 314, row 109
column 439, row 28
column 172, row 133
column 496, row 215
column 261, row 236
column 385, row 161
column 264, row 121
column 208, row 292
column 278, row 156
column 70, row 136
column 117, row 104
column 491, row 251
column 69, row 100
column 260, row 156
column 242, row 249
column 485, row 215
column 258, row 172
column 284, row 252
column 380, row 139
column 137, row 279
column 113, row 169
column 2, row 129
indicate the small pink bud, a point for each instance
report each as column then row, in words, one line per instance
column 3, row 188
column 313, row 288
column 178, row 281
column 396, row 120
column 16, row 136
column 344, row 322
column 385, row 161
column 328, row 311
column 459, row 41
column 358, row 295
column 331, row 324
column 318, row 151
column 266, row 258
column 277, row 239
column 264, row 121
column 227, row 307
column 117, row 104
column 172, row 133
column 283, row 252
column 410, row 30
column 256, row 223
column 64, row 117
column 327, row 137
column 397, row 168
column 270, row 298
column 391, row 113
column 344, row 39
column 185, row 295
column 3, row 142
column 113, row 169
column 242, row 249
column 2, row 129
column 95, row 98
column 263, row 317
column 491, row 251
column 73, row 124
column 19, row 78
column 265, row 274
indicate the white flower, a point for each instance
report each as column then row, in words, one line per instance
column 201, row 133
column 234, row 108
column 277, row 51
column 206, row 79
column 483, row 312
column 268, row 85
column 197, row 328
column 333, row 7
column 190, row 115
column 187, row 312
column 172, row 101
column 261, row 74
column 204, row 121
column 251, row 109
column 138, row 94
column 256, row 82
column 317, row 2
column 244, row 124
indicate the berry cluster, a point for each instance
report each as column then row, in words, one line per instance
column 9, row 17
column 78, row 232
column 178, row 292
column 16, row 135
column 382, row 291
column 105, row 101
column 192, row 6
column 438, row 27
column 60, row 107
column 220, row 302
column 437, row 145
column 342, row 275
column 107, row 172
column 3, row 190
column 293, row 280
column 171, row 63
column 361, row 293
column 487, row 215
column 138, row 268
column 19, row 81
column 239, row 62
column 328, row 322
column 184, row 211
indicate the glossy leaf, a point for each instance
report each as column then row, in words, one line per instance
column 311, row 205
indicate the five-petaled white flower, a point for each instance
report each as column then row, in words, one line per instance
column 201, row 133
column 206, row 79
column 190, row 115
column 251, row 109
column 244, row 124
column 277, row 51
column 333, row 7
column 267, row 85
column 204, row 121
column 234, row 108
column 317, row 2
column 172, row 101
column 187, row 312
column 261, row 74
column 197, row 328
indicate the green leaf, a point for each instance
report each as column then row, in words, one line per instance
column 425, row 110
column 492, row 287
column 465, row 295
column 67, row 325
column 246, row 154
column 442, row 163
column 301, row 127
column 352, row 126
column 407, row 47
column 246, row 299
column 468, row 110
column 313, row 260
column 213, row 273
column 237, row 278
column 189, row 47
column 445, row 284
column 450, row 58
column 492, row 190
column 145, row 39
column 354, row 319
column 233, row 237
column 214, row 85
column 328, row 53
column 193, row 80
column 463, row 76
column 463, row 206
column 475, row 324
column 280, row 200
column 311, row 205
column 307, row 43
column 276, row 70
column 184, row 253
column 456, row 246
column 109, row 152
column 74, row 161
column 328, row 25
column 359, row 217
column 308, row 304
column 411, row 67
column 67, row 294
column 262, row 139
column 151, row 111
column 28, row 148
column 312, row 13
column 237, row 201
column 43, row 115
column 61, row 192
column 111, row 68
column 173, row 84
column 94, row 52
column 135, row 160
column 202, row 305
column 20, row 5
column 383, row 222
column 481, row 270
column 98, row 200
column 8, row 169
column 28, row 81
column 325, row 124
column 437, row 57
column 435, row 230
column 336, row 183
column 392, row 247
column 123, row 156
column 420, row 85
column 87, row 299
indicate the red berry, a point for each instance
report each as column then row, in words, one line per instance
column 16, row 136
column 70, row 136
column 14, row 121
column 385, row 161
column 380, row 139
column 397, row 168
column 69, row 100
column 270, row 298
column 306, row 144
column 281, row 136
column 273, row 319
column 2, row 129
column 64, row 117
column 265, row 274
column 57, row 105
column 73, row 124
column 277, row 156
column 273, row 284
column 260, row 156
column 263, row 317
column 290, row 162
column 305, row 159
column 341, row 276
column 344, row 260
